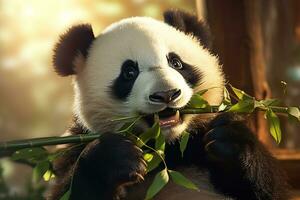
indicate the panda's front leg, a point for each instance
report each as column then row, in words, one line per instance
column 105, row 166
column 239, row 164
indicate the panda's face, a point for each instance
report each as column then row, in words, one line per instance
column 143, row 66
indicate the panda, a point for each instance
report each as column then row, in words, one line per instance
column 145, row 66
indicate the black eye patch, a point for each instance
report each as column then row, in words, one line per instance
column 123, row 84
column 189, row 72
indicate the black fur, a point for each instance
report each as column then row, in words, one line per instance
column 189, row 72
column 106, row 165
column 122, row 86
column 238, row 164
column 189, row 24
column 74, row 42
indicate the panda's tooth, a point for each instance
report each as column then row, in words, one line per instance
column 170, row 121
column 177, row 114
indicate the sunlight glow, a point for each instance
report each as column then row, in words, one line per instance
column 30, row 28
column 109, row 8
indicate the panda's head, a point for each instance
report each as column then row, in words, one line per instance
column 139, row 66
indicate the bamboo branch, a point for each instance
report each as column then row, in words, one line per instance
column 215, row 109
column 85, row 138
column 47, row 141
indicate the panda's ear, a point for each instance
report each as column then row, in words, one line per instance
column 71, row 50
column 189, row 24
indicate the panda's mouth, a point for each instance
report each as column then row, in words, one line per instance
column 167, row 118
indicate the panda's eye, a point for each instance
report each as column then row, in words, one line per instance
column 130, row 73
column 130, row 70
column 176, row 63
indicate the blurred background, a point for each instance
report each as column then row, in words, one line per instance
column 257, row 41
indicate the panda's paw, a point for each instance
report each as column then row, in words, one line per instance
column 117, row 160
column 227, row 139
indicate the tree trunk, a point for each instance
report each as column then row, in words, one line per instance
column 236, row 27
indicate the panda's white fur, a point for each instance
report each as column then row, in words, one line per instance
column 147, row 41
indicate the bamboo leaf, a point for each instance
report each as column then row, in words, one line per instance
column 66, row 196
column 241, row 94
column 122, row 118
column 259, row 104
column 226, row 98
column 294, row 113
column 150, row 133
column 128, row 126
column 201, row 92
column 148, row 157
column 31, row 154
column 243, row 106
column 48, row 175
column 125, row 127
column 222, row 107
column 274, row 125
column 155, row 161
column 179, row 179
column 39, row 170
column 197, row 101
column 160, row 180
column 270, row 102
column 160, row 142
column 183, row 142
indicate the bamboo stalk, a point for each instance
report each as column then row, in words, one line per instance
column 47, row 141
column 85, row 138
column 215, row 109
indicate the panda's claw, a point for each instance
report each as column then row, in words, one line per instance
column 221, row 150
column 227, row 140
column 135, row 177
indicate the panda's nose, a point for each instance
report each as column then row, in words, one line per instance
column 165, row 96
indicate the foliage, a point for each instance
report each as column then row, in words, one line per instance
column 33, row 191
column 154, row 155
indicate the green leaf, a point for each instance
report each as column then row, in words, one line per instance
column 201, row 92
column 243, row 106
column 128, row 126
column 160, row 180
column 155, row 161
column 31, row 154
column 274, row 125
column 259, row 104
column 270, row 102
column 148, row 157
column 183, row 142
column 160, row 142
column 226, row 98
column 66, row 196
column 39, row 170
column 241, row 94
column 294, row 113
column 48, row 175
column 179, row 179
column 246, row 103
column 226, row 101
column 122, row 118
column 197, row 101
column 150, row 133
column 222, row 107
column 125, row 127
